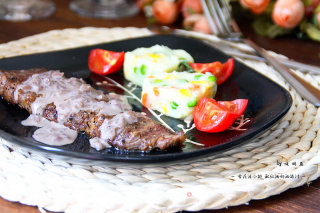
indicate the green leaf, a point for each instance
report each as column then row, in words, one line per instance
column 314, row 20
column 275, row 31
column 269, row 9
column 261, row 25
column 151, row 20
column 135, row 69
column 312, row 31
column 307, row 2
column 265, row 27
column 185, row 67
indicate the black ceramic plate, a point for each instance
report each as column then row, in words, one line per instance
column 268, row 102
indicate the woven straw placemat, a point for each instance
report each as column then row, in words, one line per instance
column 252, row 171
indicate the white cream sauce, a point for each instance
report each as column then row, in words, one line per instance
column 55, row 134
column 50, row 132
column 71, row 95
column 35, row 120
column 110, row 128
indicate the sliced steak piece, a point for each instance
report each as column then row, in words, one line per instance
column 9, row 82
column 147, row 134
column 138, row 132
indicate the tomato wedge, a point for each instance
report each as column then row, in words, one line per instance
column 212, row 116
column 237, row 106
column 105, row 62
column 221, row 71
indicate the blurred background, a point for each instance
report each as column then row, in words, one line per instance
column 283, row 26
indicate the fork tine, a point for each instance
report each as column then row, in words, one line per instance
column 212, row 22
column 233, row 32
column 233, row 24
column 221, row 17
column 216, row 16
column 227, row 14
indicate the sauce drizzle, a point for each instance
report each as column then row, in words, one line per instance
column 70, row 96
column 50, row 132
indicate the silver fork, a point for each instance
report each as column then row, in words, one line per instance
column 218, row 13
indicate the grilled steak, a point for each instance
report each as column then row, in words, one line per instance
column 103, row 117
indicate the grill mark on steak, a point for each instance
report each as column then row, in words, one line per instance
column 144, row 134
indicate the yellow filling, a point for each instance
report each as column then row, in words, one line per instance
column 199, row 82
column 154, row 57
column 185, row 92
column 165, row 109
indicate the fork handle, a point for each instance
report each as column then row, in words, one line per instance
column 304, row 88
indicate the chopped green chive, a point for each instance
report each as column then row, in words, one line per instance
column 185, row 67
column 143, row 69
column 192, row 103
column 156, row 81
column 164, row 85
column 135, row 69
column 197, row 77
column 212, row 78
column 174, row 105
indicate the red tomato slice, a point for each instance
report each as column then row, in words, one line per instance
column 212, row 116
column 214, row 67
column 237, row 106
column 221, row 71
column 105, row 62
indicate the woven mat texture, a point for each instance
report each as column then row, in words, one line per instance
column 231, row 178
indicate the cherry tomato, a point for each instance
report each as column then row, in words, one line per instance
column 221, row 71
column 255, row 6
column 212, row 116
column 237, row 106
column 165, row 12
column 202, row 25
column 105, row 62
column 288, row 13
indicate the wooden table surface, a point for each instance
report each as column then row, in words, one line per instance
column 302, row 199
